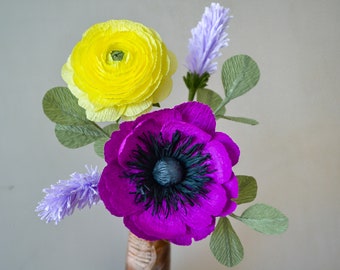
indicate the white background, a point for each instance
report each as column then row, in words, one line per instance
column 294, row 153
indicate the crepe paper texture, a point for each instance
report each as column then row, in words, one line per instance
column 63, row 198
column 168, row 173
column 208, row 38
column 119, row 69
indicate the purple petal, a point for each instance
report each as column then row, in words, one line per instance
column 220, row 163
column 159, row 225
column 115, row 191
column 129, row 145
column 131, row 225
column 215, row 200
column 231, row 147
column 186, row 129
column 229, row 208
column 203, row 232
column 162, row 116
column 199, row 115
column 127, row 125
column 111, row 147
column 196, row 217
column 232, row 187
column 183, row 240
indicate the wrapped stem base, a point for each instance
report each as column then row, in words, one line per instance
column 146, row 255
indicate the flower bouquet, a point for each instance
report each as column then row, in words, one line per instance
column 169, row 173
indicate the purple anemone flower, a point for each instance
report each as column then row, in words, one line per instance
column 62, row 199
column 208, row 37
column 169, row 174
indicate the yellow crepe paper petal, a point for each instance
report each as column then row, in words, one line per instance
column 109, row 88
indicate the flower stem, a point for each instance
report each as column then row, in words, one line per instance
column 192, row 93
column 101, row 130
column 222, row 104
column 142, row 254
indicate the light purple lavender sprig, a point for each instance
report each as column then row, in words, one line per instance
column 64, row 197
column 208, row 37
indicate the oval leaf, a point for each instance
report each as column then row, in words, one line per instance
column 61, row 107
column 212, row 99
column 110, row 128
column 76, row 136
column 240, row 73
column 247, row 189
column 243, row 120
column 99, row 144
column 225, row 244
column 265, row 219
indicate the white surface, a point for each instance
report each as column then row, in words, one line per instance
column 294, row 152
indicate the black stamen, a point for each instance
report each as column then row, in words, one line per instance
column 168, row 174
column 167, row 171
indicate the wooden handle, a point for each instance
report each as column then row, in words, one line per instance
column 146, row 255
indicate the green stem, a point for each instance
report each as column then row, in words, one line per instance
column 101, row 130
column 222, row 104
column 192, row 93
column 235, row 217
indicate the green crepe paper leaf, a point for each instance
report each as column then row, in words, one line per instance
column 61, row 107
column 247, row 189
column 99, row 144
column 240, row 73
column 225, row 244
column 243, row 120
column 111, row 128
column 73, row 129
column 264, row 218
column 212, row 99
column 77, row 136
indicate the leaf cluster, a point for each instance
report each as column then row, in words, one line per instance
column 240, row 74
column 224, row 242
column 72, row 128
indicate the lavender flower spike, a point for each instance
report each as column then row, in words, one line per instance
column 62, row 199
column 208, row 37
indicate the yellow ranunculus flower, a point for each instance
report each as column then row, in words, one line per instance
column 119, row 69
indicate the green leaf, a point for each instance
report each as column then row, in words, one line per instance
column 61, row 107
column 73, row 129
column 77, row 136
column 225, row 244
column 99, row 146
column 243, row 120
column 264, row 218
column 99, row 143
column 110, row 128
column 210, row 98
column 240, row 73
column 247, row 189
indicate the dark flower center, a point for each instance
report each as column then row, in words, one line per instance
column 168, row 175
column 117, row 55
column 167, row 171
